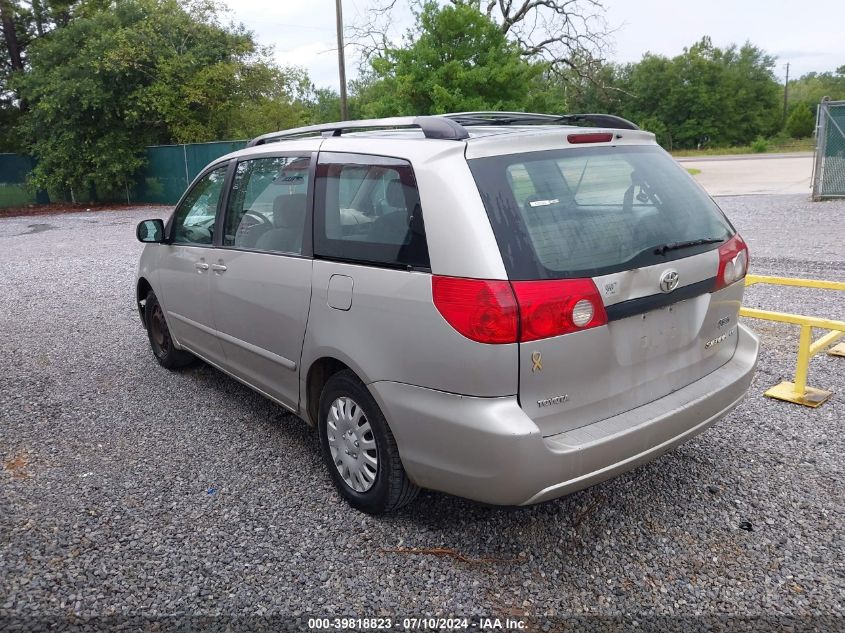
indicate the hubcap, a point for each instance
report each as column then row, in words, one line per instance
column 352, row 444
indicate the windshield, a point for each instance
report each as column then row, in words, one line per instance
column 582, row 212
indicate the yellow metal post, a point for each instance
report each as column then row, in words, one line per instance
column 794, row 281
column 826, row 341
column 798, row 391
column 804, row 342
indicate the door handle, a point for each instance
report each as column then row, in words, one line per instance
column 218, row 268
column 201, row 266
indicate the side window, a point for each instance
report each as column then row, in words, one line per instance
column 193, row 222
column 267, row 206
column 367, row 209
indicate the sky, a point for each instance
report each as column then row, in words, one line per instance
column 302, row 33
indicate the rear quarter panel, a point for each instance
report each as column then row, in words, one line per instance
column 393, row 332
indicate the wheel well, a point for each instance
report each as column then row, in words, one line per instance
column 318, row 375
column 142, row 291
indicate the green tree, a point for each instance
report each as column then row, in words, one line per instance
column 705, row 96
column 460, row 60
column 801, row 121
column 325, row 106
column 144, row 72
column 21, row 23
column 569, row 36
column 810, row 88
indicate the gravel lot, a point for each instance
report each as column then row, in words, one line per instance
column 130, row 490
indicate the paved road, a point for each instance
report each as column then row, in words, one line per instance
column 753, row 173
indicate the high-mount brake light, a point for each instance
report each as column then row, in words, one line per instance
column 590, row 137
column 498, row 312
column 733, row 262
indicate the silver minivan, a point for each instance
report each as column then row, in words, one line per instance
column 503, row 306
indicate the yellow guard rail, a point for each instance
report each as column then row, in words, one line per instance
column 798, row 391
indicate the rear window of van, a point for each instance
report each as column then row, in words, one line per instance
column 588, row 211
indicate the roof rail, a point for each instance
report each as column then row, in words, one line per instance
column 502, row 118
column 601, row 120
column 432, row 127
column 534, row 118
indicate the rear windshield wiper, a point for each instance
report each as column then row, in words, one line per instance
column 676, row 246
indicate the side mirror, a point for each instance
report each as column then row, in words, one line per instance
column 150, row 231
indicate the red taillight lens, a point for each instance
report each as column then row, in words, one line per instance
column 552, row 308
column 484, row 311
column 490, row 311
column 733, row 262
column 591, row 137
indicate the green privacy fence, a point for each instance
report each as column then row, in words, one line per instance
column 829, row 167
column 14, row 169
column 170, row 169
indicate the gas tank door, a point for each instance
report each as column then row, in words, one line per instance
column 340, row 292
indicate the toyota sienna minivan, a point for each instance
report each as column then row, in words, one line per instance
column 503, row 306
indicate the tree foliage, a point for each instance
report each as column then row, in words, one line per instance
column 144, row 72
column 458, row 60
column 811, row 88
column 801, row 121
column 459, row 57
column 569, row 35
column 706, row 95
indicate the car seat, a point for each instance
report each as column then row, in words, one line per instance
column 288, row 223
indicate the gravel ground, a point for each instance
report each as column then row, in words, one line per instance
column 128, row 490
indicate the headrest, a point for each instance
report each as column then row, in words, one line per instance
column 395, row 194
column 289, row 211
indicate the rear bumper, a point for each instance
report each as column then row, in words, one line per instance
column 489, row 450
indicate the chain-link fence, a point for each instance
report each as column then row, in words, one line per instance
column 169, row 171
column 829, row 162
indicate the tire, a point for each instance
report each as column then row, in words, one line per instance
column 350, row 416
column 159, row 334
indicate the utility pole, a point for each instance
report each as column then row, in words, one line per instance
column 785, row 94
column 341, row 62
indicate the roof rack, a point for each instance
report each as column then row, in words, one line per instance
column 448, row 126
column 432, row 127
column 534, row 118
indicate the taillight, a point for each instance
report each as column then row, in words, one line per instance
column 552, row 308
column 733, row 262
column 590, row 137
column 490, row 311
column 482, row 310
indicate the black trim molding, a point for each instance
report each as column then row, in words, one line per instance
column 640, row 305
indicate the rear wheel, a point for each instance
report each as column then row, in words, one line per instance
column 358, row 448
column 159, row 334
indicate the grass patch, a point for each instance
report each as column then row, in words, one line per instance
column 773, row 146
column 693, row 171
column 14, row 196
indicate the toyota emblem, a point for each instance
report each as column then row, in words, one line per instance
column 669, row 280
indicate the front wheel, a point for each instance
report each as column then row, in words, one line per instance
column 159, row 334
column 358, row 448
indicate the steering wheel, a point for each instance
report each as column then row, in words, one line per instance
column 197, row 234
column 249, row 221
